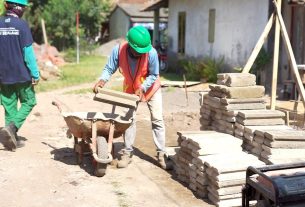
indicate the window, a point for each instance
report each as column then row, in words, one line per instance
column 212, row 16
column 181, row 32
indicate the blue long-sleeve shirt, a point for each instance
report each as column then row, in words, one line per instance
column 30, row 60
column 113, row 64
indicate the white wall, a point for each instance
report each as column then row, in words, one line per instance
column 119, row 24
column 239, row 23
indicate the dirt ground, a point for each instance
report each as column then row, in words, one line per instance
column 45, row 172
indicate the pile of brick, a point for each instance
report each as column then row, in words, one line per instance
column 48, row 59
column 221, row 105
column 194, row 148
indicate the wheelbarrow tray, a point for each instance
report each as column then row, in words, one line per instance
column 80, row 123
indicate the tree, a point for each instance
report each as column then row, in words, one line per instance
column 1, row 7
column 60, row 20
column 92, row 14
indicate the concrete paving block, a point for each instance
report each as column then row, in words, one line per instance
column 202, row 182
column 224, row 191
column 249, row 137
column 239, row 126
column 256, row 114
column 275, row 151
column 202, row 193
column 252, row 129
column 228, row 101
column 258, row 139
column 233, row 202
column 240, row 92
column 288, row 134
column 236, row 79
column 286, row 160
column 243, row 106
column 285, row 144
column 231, row 162
column 283, row 156
column 260, row 122
column 256, row 151
column 216, row 177
column 192, row 186
column 228, row 183
column 239, row 132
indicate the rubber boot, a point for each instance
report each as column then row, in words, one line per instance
column 8, row 137
column 164, row 162
column 125, row 160
column 20, row 143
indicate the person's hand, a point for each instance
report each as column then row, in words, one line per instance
column 100, row 84
column 139, row 92
column 35, row 82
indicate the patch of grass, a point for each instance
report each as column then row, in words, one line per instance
column 87, row 71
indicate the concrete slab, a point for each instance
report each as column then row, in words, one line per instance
column 255, row 114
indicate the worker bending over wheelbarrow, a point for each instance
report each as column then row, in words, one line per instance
column 138, row 62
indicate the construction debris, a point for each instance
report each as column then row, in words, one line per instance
column 48, row 59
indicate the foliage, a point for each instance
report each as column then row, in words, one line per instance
column 88, row 70
column 1, row 7
column 206, row 68
column 262, row 59
column 60, row 20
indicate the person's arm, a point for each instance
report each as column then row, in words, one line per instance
column 30, row 61
column 153, row 70
column 109, row 69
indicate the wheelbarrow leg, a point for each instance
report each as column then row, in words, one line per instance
column 78, row 151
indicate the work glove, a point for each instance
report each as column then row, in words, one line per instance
column 100, row 84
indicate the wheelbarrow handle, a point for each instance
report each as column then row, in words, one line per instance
column 57, row 105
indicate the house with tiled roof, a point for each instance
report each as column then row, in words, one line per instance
column 128, row 13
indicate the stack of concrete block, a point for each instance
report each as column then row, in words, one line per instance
column 281, row 146
column 221, row 105
column 194, row 147
column 256, row 119
column 226, row 174
column 247, row 133
column 260, row 117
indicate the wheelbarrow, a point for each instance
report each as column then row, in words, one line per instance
column 93, row 132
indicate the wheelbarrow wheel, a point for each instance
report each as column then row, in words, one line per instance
column 102, row 153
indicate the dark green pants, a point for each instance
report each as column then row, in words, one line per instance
column 10, row 95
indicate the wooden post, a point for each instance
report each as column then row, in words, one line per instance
column 45, row 39
column 290, row 54
column 77, row 38
column 259, row 45
column 275, row 59
column 187, row 98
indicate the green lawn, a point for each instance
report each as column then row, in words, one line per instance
column 87, row 71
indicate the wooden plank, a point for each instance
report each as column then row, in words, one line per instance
column 275, row 60
column 259, row 45
column 290, row 54
column 179, row 84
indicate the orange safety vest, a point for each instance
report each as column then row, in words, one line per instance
column 132, row 83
